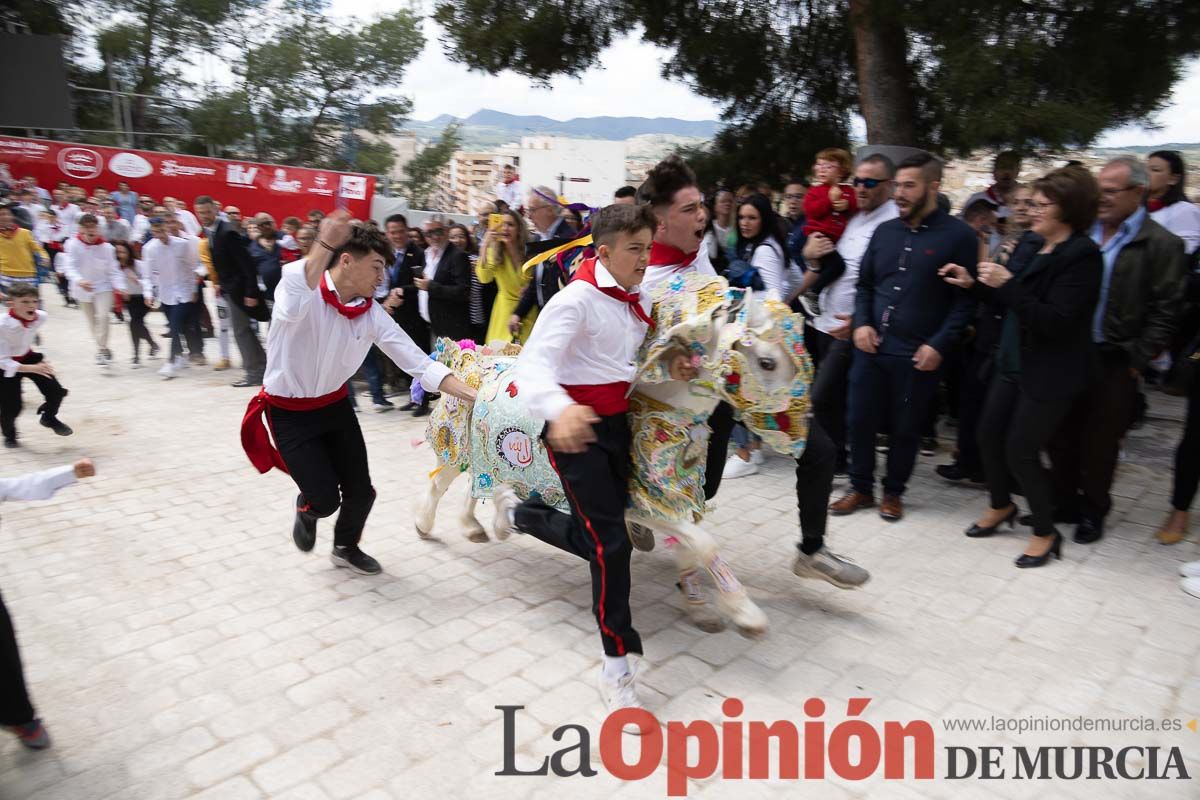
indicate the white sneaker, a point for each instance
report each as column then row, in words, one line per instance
column 180, row 363
column 757, row 457
column 168, row 371
column 1191, row 586
column 621, row 693
column 736, row 468
column 504, row 497
column 1190, row 570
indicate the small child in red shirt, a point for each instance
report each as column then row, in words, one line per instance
column 830, row 202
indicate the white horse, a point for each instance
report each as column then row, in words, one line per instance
column 748, row 351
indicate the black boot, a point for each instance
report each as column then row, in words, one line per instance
column 304, row 529
column 56, row 425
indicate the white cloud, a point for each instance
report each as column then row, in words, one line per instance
column 1180, row 121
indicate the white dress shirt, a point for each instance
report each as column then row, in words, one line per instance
column 16, row 340
column 838, row 297
column 172, row 268
column 312, row 349
column 433, row 259
column 582, row 336
column 1181, row 218
column 140, row 227
column 511, row 193
column 657, row 274
column 772, row 267
column 68, row 216
column 188, row 220
column 91, row 262
column 37, row 485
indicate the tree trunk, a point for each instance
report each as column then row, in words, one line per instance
column 884, row 95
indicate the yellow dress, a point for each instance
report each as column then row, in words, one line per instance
column 510, row 283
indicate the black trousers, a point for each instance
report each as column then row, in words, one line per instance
column 1083, row 453
column 830, row 388
column 887, row 387
column 327, row 458
column 10, row 396
column 814, row 475
column 138, row 332
column 1187, row 457
column 972, row 395
column 1013, row 431
column 15, row 708
column 596, row 483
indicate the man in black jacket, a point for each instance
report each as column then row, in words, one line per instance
column 238, row 276
column 407, row 265
column 445, row 286
column 551, row 230
column 906, row 318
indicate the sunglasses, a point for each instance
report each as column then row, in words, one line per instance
column 869, row 183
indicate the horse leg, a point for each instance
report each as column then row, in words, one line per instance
column 471, row 527
column 691, row 587
column 732, row 599
column 428, row 510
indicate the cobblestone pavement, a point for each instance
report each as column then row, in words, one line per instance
column 178, row 645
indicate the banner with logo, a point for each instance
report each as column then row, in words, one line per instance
column 252, row 187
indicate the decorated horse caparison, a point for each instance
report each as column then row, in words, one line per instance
column 749, row 352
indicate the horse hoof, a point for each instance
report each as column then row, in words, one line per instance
column 422, row 533
column 749, row 619
column 641, row 537
column 706, row 620
column 479, row 536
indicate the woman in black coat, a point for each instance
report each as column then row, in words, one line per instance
column 1043, row 360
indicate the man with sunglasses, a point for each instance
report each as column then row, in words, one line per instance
column 1141, row 297
column 445, row 286
column 873, row 187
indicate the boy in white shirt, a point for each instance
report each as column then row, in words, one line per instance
column 323, row 323
column 93, row 271
column 16, row 711
column 575, row 372
column 18, row 329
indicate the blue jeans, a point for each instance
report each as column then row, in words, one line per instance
column 178, row 315
column 374, row 375
column 887, row 387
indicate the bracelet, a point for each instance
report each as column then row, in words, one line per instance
column 327, row 247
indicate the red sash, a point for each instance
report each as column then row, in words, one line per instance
column 255, row 439
column 605, row 399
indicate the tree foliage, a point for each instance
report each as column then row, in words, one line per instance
column 1011, row 73
column 423, row 170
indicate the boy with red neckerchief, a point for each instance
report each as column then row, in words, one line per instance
column 575, row 372
column 93, row 272
column 323, row 323
column 18, row 329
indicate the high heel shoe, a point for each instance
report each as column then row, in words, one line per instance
column 977, row 531
column 1026, row 560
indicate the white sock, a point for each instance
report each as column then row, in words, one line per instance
column 615, row 667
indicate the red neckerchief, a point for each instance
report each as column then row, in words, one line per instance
column 1155, row 204
column 349, row 312
column 510, row 181
column 993, row 197
column 587, row 274
column 25, row 323
column 11, row 232
column 99, row 240
column 664, row 255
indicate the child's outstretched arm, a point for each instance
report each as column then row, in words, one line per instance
column 42, row 485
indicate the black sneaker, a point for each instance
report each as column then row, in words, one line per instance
column 11, row 443
column 56, row 425
column 355, row 559
column 929, row 446
column 304, row 529
column 422, row 411
column 811, row 303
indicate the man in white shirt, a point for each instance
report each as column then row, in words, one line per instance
column 140, row 229
column 92, row 269
column 19, row 716
column 186, row 218
column 873, row 183
column 322, row 325
column 66, row 212
column 575, row 373
column 509, row 187
column 173, row 265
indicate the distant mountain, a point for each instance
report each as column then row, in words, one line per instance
column 1143, row 148
column 495, row 127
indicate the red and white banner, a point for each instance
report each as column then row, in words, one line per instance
column 252, row 187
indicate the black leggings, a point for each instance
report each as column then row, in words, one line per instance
column 327, row 458
column 10, row 396
column 138, row 332
column 1013, row 431
column 1187, row 457
column 15, row 708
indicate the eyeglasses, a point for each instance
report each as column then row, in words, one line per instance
column 1042, row 206
column 793, row 197
column 1115, row 192
column 435, row 232
column 869, row 183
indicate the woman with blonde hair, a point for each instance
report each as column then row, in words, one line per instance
column 500, row 260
